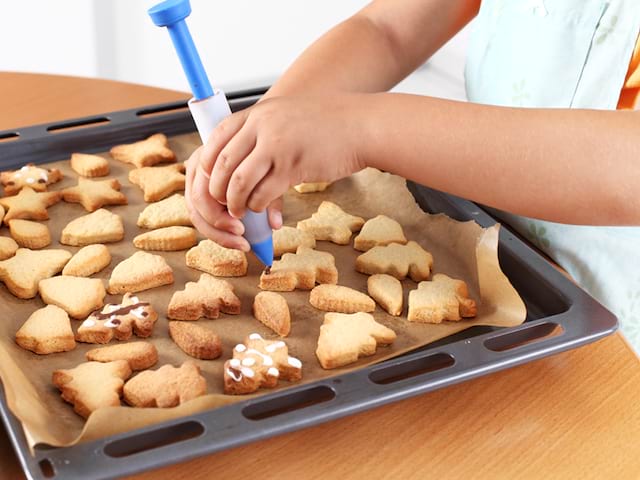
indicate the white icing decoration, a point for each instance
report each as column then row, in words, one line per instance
column 109, row 323
column 255, row 336
column 273, row 371
column 247, row 372
column 134, row 300
column 274, row 346
column 294, row 362
column 17, row 175
column 25, row 168
column 232, row 374
column 234, row 362
column 241, row 347
column 138, row 312
column 88, row 323
column 44, row 176
column 112, row 308
column 30, row 180
column 267, row 361
column 248, row 362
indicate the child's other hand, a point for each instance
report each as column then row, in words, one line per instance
column 255, row 155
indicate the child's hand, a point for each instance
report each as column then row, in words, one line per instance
column 255, row 155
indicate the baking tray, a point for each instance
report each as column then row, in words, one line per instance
column 560, row 316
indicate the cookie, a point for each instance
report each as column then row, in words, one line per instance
column 139, row 355
column 170, row 212
column 259, row 363
column 87, row 261
column 196, row 340
column 346, row 337
column 158, row 182
column 166, row 387
column 443, row 298
column 92, row 385
column 141, row 271
column 272, row 310
column 167, row 239
column 22, row 272
column 29, row 204
column 30, row 176
column 331, row 223
column 78, row 296
column 118, row 321
column 8, row 247
column 145, row 153
column 337, row 298
column 47, row 330
column 311, row 187
column 89, row 165
column 205, row 298
column 217, row 260
column 380, row 230
column 387, row 291
column 101, row 226
column 301, row 270
column 28, row 234
column 397, row 260
column 94, row 194
column 288, row 239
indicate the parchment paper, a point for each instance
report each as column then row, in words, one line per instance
column 461, row 250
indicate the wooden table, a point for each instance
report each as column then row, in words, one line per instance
column 574, row 415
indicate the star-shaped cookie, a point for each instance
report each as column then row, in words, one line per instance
column 158, row 182
column 145, row 153
column 29, row 204
column 92, row 194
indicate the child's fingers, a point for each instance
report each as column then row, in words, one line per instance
column 209, row 209
column 220, row 136
column 191, row 165
column 243, row 180
column 270, row 187
column 232, row 155
column 225, row 239
column 274, row 211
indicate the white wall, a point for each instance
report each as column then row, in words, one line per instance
column 242, row 42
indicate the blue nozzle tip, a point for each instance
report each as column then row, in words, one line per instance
column 264, row 251
column 169, row 12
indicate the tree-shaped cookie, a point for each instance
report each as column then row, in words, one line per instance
column 29, row 205
column 158, row 182
column 288, row 239
column 166, row 387
column 47, row 330
column 443, row 298
column 92, row 385
column 205, row 298
column 301, row 270
column 118, row 321
column 145, row 153
column 101, row 226
column 346, row 337
column 338, row 298
column 141, row 271
column 259, row 363
column 397, row 260
column 93, row 194
column 217, row 260
column 331, row 223
column 36, row 178
column 22, row 272
column 380, row 230
column 170, row 212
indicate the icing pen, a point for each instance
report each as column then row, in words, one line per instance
column 208, row 107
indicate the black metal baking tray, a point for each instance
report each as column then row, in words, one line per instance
column 560, row 316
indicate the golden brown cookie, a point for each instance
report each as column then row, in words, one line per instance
column 272, row 310
column 217, row 260
column 196, row 340
column 28, row 234
column 47, row 330
column 380, row 230
column 101, row 226
column 78, row 296
column 88, row 260
column 139, row 355
column 387, row 291
column 8, row 247
column 337, row 298
column 29, row 204
column 141, row 271
column 94, row 194
column 397, row 260
column 30, row 176
column 166, row 387
column 145, row 153
column 300, row 270
column 22, row 272
column 89, row 165
column 170, row 212
column 205, row 298
column 346, row 337
column 331, row 223
column 288, row 239
column 259, row 363
column 92, row 385
column 167, row 239
column 443, row 298
column 311, row 187
column 118, row 321
column 158, row 182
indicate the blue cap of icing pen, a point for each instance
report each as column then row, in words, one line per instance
column 208, row 108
